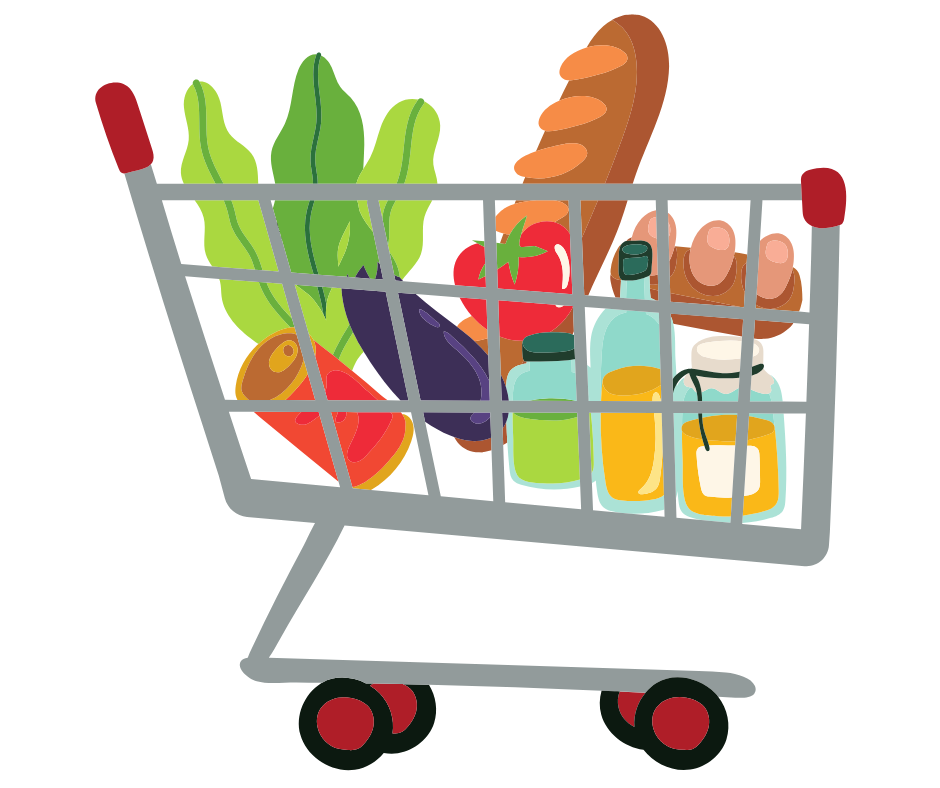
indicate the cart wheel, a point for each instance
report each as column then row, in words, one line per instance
column 618, row 710
column 683, row 723
column 413, row 712
column 345, row 724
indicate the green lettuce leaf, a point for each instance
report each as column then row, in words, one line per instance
column 321, row 142
column 235, row 235
column 403, row 153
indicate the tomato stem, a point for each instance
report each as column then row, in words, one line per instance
column 510, row 252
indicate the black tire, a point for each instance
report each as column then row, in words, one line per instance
column 420, row 726
column 615, row 722
column 374, row 746
column 711, row 744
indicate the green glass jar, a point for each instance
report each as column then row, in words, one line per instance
column 543, row 447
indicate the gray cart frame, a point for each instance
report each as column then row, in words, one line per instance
column 332, row 508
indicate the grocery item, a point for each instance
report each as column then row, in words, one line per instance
column 481, row 446
column 775, row 266
column 403, row 153
column 510, row 350
column 631, row 443
column 535, row 258
column 686, row 285
column 645, row 230
column 373, row 444
column 235, row 234
column 711, row 258
column 625, row 366
column 707, row 475
column 448, row 364
column 510, row 355
column 597, row 132
column 543, row 447
column 322, row 141
column 705, row 445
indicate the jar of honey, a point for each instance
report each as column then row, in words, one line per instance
column 704, row 475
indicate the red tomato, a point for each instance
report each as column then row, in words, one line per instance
column 548, row 271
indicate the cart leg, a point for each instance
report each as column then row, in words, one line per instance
column 312, row 557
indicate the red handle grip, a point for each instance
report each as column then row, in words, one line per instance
column 823, row 198
column 124, row 126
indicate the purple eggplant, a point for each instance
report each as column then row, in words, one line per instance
column 448, row 364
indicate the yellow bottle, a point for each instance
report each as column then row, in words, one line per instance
column 632, row 443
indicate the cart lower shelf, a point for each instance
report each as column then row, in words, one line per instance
column 279, row 670
column 361, row 710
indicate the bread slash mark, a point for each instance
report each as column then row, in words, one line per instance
column 571, row 112
column 534, row 211
column 551, row 162
column 591, row 61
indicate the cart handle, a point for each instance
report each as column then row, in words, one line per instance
column 124, row 126
column 823, row 198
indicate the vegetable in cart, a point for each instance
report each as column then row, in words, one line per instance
column 322, row 141
column 538, row 258
column 448, row 364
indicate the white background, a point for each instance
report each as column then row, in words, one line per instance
column 130, row 592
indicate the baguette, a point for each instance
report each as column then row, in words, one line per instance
column 597, row 132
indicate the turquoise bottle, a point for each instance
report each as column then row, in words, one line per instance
column 625, row 367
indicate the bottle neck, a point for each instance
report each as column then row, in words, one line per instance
column 548, row 369
column 635, row 288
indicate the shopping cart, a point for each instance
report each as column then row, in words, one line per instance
column 379, row 707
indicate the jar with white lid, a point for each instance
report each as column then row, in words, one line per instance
column 705, row 447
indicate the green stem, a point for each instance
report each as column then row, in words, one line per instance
column 230, row 208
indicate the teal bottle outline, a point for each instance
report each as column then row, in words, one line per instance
column 550, row 380
column 625, row 338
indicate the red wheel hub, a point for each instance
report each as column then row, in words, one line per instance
column 680, row 723
column 401, row 702
column 627, row 703
column 345, row 723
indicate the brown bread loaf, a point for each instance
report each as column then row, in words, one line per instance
column 597, row 132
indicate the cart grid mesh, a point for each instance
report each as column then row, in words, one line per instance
column 722, row 537
column 497, row 406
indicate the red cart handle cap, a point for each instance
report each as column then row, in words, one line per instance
column 124, row 126
column 823, row 198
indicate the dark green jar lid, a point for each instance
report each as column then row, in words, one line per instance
column 550, row 346
column 636, row 259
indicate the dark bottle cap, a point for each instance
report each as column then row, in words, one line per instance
column 550, row 346
column 636, row 259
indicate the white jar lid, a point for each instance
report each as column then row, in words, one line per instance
column 722, row 354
